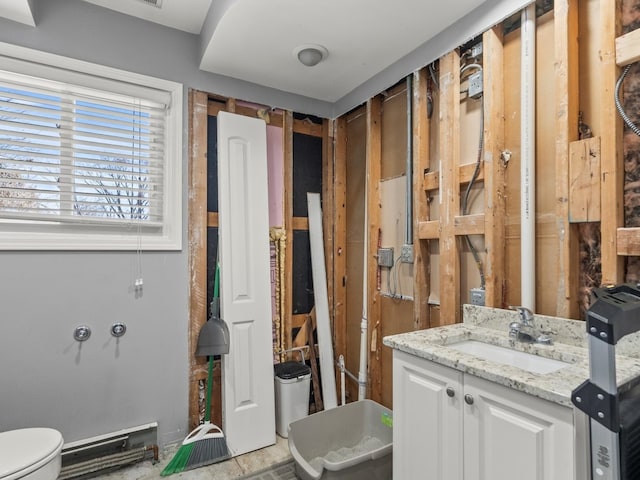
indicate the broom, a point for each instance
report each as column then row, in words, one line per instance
column 206, row 444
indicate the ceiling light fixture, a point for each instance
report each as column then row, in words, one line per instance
column 310, row 55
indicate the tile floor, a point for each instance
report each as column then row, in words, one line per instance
column 227, row 470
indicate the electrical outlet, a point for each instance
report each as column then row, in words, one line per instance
column 477, row 296
column 476, row 50
column 475, row 85
column 385, row 257
column 406, row 254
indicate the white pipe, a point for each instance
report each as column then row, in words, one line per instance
column 528, row 158
column 343, row 395
column 362, row 373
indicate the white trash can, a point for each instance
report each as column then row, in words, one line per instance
column 292, row 386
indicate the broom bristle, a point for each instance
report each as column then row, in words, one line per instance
column 179, row 460
column 206, row 452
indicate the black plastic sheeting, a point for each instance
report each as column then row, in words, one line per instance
column 307, row 170
column 212, row 164
column 302, row 291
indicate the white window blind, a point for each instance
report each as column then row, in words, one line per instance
column 86, row 161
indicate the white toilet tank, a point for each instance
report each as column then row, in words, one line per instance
column 30, row 454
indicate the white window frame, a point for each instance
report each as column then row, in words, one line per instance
column 21, row 235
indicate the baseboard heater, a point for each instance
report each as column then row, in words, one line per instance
column 109, row 451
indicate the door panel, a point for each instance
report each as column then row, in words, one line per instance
column 248, row 396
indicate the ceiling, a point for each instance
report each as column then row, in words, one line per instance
column 255, row 40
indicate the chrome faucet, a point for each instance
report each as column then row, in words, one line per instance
column 525, row 331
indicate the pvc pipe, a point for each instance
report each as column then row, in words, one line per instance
column 409, row 174
column 362, row 372
column 528, row 157
column 343, row 395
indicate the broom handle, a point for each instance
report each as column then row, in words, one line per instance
column 207, row 408
column 216, row 294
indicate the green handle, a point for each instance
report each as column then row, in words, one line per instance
column 207, row 409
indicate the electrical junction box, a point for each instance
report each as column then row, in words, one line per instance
column 476, row 50
column 475, row 85
column 406, row 254
column 477, row 297
column 385, row 257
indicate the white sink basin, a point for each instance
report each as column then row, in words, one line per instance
column 506, row 356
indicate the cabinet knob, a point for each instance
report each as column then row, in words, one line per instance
column 468, row 399
column 451, row 392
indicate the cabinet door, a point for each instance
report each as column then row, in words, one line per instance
column 427, row 420
column 511, row 435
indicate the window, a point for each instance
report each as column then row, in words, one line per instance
column 90, row 157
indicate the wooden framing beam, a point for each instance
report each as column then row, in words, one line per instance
column 308, row 127
column 340, row 237
column 328, row 221
column 469, row 224
column 271, row 117
column 432, row 179
column 566, row 130
column 287, row 132
column 299, row 223
column 449, row 147
column 584, row 180
column 610, row 129
column 421, row 265
column 212, row 219
column 374, row 158
column 494, row 168
column 197, row 244
column 429, row 230
column 628, row 48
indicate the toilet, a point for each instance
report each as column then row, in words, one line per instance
column 30, row 454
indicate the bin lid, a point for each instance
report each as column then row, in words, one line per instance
column 291, row 369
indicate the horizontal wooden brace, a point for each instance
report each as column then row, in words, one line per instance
column 272, row 117
column 469, row 224
column 628, row 48
column 299, row 223
column 212, row 219
column 429, row 230
column 628, row 240
column 298, row 320
column 432, row 179
column 307, row 127
column 463, row 225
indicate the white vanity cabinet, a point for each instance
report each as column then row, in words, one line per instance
column 450, row 425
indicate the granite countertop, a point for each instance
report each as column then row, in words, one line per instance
column 491, row 326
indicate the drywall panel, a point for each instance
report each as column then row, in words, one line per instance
column 394, row 133
column 355, row 188
column 396, row 281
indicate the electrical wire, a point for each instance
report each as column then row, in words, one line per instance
column 474, row 177
column 632, row 126
column 432, row 72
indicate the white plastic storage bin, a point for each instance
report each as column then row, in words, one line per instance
column 292, row 386
column 351, row 442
